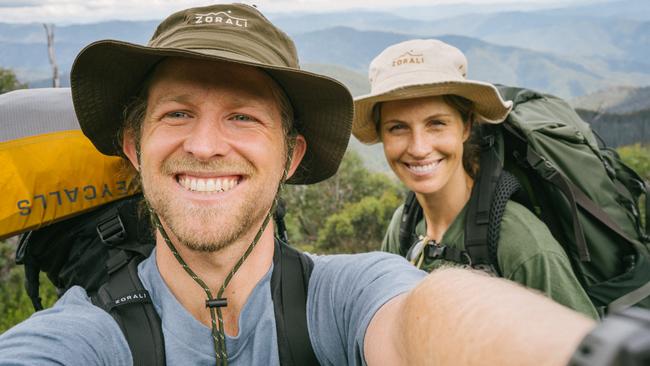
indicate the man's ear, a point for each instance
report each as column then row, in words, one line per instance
column 130, row 149
column 299, row 149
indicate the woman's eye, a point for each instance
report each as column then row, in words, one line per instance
column 395, row 128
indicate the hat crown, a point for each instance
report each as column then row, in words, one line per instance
column 236, row 28
column 416, row 56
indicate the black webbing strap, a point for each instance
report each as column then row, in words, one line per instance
column 646, row 190
column 477, row 216
column 411, row 215
column 289, row 284
column 507, row 186
column 119, row 227
column 32, row 271
column 124, row 297
column 576, row 198
column 594, row 210
column 548, row 172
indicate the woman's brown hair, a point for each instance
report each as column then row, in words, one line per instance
column 471, row 146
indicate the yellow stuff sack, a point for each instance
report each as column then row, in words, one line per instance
column 49, row 170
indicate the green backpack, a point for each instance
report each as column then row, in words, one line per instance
column 545, row 157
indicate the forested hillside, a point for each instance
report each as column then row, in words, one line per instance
column 620, row 129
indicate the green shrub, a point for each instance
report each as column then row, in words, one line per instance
column 637, row 156
column 15, row 305
column 359, row 226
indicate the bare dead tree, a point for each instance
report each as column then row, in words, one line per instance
column 49, row 31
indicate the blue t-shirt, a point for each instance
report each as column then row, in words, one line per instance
column 345, row 291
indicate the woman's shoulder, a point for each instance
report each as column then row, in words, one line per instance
column 516, row 213
column 525, row 233
column 391, row 238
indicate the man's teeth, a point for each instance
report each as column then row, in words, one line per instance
column 208, row 184
column 423, row 168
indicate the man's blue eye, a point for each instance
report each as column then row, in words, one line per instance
column 241, row 117
column 177, row 114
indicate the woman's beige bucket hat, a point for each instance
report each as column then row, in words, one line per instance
column 421, row 68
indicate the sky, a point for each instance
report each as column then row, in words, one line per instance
column 88, row 11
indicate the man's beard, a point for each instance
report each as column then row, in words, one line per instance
column 187, row 221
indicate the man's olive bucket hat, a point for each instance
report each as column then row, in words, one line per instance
column 108, row 74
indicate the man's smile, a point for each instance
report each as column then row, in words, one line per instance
column 208, row 184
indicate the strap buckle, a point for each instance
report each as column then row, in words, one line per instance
column 435, row 251
column 111, row 230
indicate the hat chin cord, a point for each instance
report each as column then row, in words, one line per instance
column 212, row 303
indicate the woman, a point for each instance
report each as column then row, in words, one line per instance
column 424, row 111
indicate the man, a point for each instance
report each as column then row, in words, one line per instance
column 218, row 115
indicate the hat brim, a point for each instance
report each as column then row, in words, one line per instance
column 107, row 75
column 489, row 105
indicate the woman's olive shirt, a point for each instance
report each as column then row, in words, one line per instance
column 527, row 254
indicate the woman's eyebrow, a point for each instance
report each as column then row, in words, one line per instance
column 432, row 116
column 438, row 115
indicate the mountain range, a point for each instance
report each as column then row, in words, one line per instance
column 595, row 54
column 569, row 51
column 619, row 100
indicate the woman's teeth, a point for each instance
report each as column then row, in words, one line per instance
column 422, row 169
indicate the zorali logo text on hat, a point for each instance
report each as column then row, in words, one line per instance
column 408, row 58
column 221, row 17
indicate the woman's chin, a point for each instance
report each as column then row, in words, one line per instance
column 423, row 188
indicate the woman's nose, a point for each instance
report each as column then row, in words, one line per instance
column 420, row 145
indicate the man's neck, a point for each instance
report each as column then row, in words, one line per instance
column 213, row 268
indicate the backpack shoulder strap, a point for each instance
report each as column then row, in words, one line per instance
column 129, row 303
column 506, row 187
column 123, row 295
column 411, row 215
column 480, row 202
column 289, row 283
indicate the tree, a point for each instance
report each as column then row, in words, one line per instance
column 49, row 32
column 309, row 207
column 359, row 226
column 9, row 82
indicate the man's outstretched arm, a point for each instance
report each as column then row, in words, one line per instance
column 458, row 317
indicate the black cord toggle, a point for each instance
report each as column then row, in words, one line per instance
column 216, row 303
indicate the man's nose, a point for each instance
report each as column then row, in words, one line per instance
column 207, row 139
